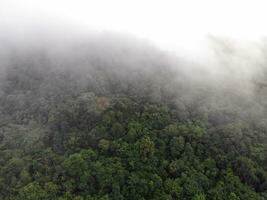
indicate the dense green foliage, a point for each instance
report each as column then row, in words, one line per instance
column 118, row 139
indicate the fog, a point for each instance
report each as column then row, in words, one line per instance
column 230, row 79
column 187, row 63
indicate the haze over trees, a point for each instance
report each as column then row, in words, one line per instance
column 110, row 117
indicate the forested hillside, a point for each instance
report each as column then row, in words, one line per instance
column 116, row 120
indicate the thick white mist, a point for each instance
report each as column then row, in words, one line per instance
column 174, row 25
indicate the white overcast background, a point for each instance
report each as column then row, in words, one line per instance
column 178, row 25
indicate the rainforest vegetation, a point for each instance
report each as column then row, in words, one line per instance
column 112, row 120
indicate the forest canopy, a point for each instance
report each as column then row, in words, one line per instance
column 111, row 117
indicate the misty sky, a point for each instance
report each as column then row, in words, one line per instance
column 172, row 25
